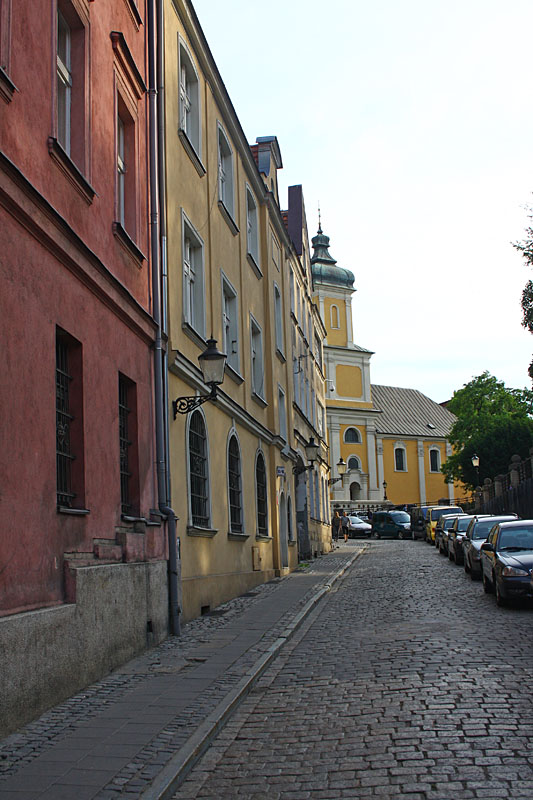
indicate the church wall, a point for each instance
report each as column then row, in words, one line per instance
column 402, row 487
column 349, row 381
column 336, row 336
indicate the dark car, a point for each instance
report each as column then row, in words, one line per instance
column 396, row 524
column 477, row 532
column 507, row 560
column 456, row 535
column 441, row 531
column 418, row 521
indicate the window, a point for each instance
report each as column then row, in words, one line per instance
column 189, row 100
column 311, row 495
column 256, row 341
column 352, row 435
column 252, row 227
column 69, row 422
column 276, row 252
column 282, row 414
column 126, row 188
column 354, row 463
column 127, row 423
column 320, row 419
column 290, row 532
column 225, row 173
column 434, row 460
column 6, row 87
column 318, row 350
column 291, row 287
column 399, row 459
column 296, row 376
column 198, row 471
column 230, row 324
column 234, row 485
column 70, row 112
column 64, row 81
column 261, row 495
column 317, row 496
column 279, row 319
column 335, row 317
column 193, row 278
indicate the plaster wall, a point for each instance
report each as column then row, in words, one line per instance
column 49, row 654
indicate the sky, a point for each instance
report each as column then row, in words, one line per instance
column 410, row 122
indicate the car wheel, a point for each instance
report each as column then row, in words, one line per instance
column 451, row 554
column 467, row 566
column 475, row 576
column 487, row 585
column 500, row 599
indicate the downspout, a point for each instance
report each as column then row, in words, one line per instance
column 159, row 304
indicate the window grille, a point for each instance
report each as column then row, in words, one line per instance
column 64, row 456
column 261, row 490
column 198, row 471
column 124, row 444
column 234, row 480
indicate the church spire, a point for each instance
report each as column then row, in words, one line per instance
column 324, row 266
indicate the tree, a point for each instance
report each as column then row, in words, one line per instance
column 526, row 249
column 494, row 423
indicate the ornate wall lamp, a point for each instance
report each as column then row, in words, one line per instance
column 385, row 490
column 475, row 464
column 311, row 453
column 341, row 469
column 212, row 363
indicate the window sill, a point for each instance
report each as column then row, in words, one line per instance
column 233, row 374
column 254, row 265
column 238, row 537
column 191, row 152
column 134, row 11
column 193, row 334
column 259, row 400
column 281, row 356
column 70, row 170
column 128, row 244
column 228, row 217
column 73, row 512
column 206, row 533
column 260, row 538
column 7, row 87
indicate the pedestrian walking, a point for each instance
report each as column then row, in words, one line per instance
column 335, row 526
column 344, row 525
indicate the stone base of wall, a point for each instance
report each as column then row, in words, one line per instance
column 212, row 590
column 49, row 654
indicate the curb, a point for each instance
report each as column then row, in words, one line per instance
column 170, row 778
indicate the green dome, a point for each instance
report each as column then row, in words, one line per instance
column 324, row 268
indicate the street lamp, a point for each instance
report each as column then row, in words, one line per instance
column 384, row 490
column 341, row 469
column 212, row 363
column 311, row 453
column 475, row 464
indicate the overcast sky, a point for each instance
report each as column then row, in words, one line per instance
column 411, row 123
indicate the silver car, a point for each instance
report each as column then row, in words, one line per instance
column 477, row 533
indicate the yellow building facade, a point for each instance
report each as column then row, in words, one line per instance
column 249, row 506
column 392, row 439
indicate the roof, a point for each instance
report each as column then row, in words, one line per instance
column 408, row 412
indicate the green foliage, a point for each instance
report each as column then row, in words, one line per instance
column 494, row 423
column 526, row 249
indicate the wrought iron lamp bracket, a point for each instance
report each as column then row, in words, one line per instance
column 183, row 405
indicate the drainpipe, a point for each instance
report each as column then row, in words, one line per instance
column 159, row 307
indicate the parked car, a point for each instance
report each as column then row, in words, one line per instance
column 418, row 521
column 456, row 535
column 396, row 524
column 477, row 532
column 358, row 527
column 441, row 532
column 432, row 517
column 507, row 560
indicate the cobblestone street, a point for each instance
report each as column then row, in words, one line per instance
column 405, row 681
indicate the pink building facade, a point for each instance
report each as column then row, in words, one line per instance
column 83, row 573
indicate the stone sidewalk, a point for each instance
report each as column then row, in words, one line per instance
column 139, row 731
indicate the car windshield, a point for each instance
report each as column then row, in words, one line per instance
column 400, row 516
column 447, row 523
column 355, row 519
column 481, row 530
column 436, row 513
column 463, row 523
column 516, row 539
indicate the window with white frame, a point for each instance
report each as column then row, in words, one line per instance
column 225, row 173
column 252, row 227
column 296, row 376
column 278, row 312
column 64, row 81
column 434, row 460
column 400, row 461
column 291, row 288
column 320, row 419
column 352, row 435
column 313, row 408
column 256, row 344
column 282, row 414
column 193, row 278
column 189, row 99
column 230, row 324
column 318, row 350
column 354, row 463
column 276, row 253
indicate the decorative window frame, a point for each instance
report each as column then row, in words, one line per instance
column 192, row 528
column 400, row 446
column 261, row 536
column 359, row 440
column 232, row 346
column 358, row 467
column 193, row 271
column 235, row 535
column 189, row 106
column 226, row 182
column 437, row 451
column 256, row 338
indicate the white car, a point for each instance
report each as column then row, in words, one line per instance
column 357, row 527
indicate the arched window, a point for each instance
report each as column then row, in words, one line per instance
column 352, row 435
column 289, row 520
column 400, row 464
column 355, row 491
column 335, row 317
column 198, row 471
column 261, row 495
column 234, row 485
column 354, row 463
column 434, row 460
